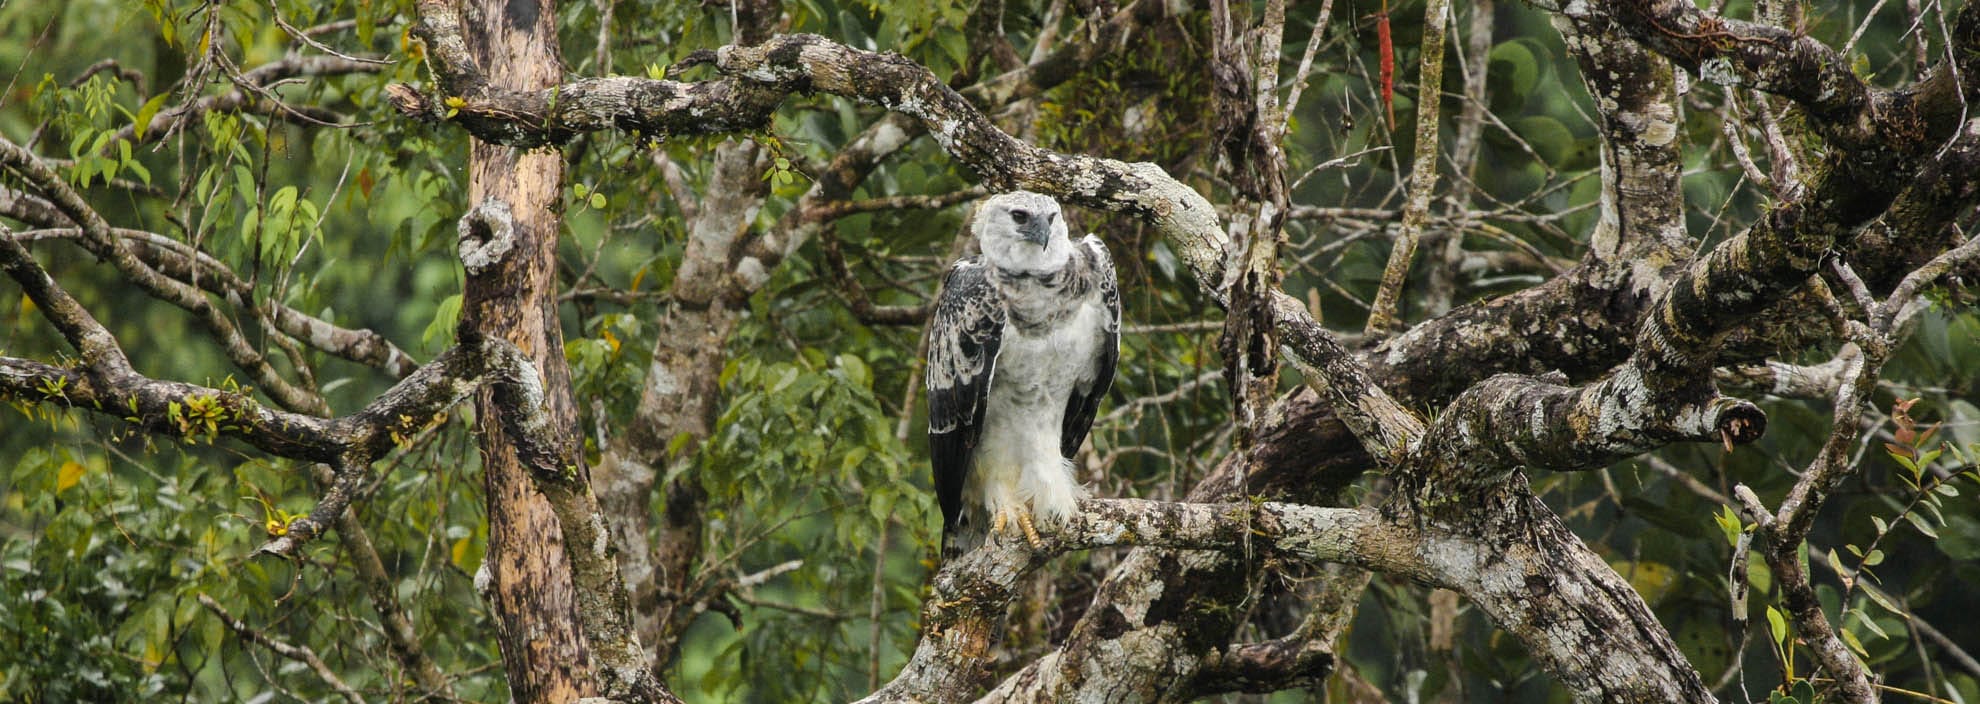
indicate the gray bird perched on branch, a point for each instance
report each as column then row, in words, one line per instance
column 1020, row 351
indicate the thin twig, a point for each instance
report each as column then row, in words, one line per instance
column 1423, row 171
column 298, row 653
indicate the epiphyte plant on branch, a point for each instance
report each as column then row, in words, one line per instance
column 622, row 403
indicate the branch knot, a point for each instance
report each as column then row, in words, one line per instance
column 487, row 233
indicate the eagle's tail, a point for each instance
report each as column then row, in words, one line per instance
column 966, row 533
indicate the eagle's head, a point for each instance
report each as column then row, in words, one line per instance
column 1023, row 232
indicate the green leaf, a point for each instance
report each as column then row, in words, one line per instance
column 1515, row 64
column 251, row 226
column 1777, row 624
column 856, row 370
column 1873, row 559
column 445, row 316
column 1924, row 526
column 853, row 459
column 597, row 201
column 76, row 145
column 1884, row 601
column 244, row 184
column 1548, row 137
column 1729, row 523
column 283, row 201
column 678, row 443
column 1871, row 625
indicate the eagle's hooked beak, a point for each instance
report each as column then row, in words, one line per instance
column 1038, row 231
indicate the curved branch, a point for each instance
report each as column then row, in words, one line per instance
column 172, row 119
column 107, row 384
column 187, row 264
column 98, row 238
column 960, row 621
column 759, row 77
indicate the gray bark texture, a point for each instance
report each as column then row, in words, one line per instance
column 1618, row 353
column 1629, row 338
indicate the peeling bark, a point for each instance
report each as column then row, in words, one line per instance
column 510, row 295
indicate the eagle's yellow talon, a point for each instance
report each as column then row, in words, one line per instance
column 1030, row 531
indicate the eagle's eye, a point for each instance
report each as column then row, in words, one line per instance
column 1020, row 217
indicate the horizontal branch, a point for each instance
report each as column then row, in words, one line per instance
column 171, row 119
column 1843, row 108
column 960, row 621
column 1510, row 421
column 1553, row 594
column 757, row 79
column 105, row 382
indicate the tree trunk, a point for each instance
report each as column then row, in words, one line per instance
column 528, row 577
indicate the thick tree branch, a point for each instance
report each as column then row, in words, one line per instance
column 1684, row 338
column 961, row 620
column 1663, row 393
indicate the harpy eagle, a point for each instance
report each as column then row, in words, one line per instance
column 1020, row 351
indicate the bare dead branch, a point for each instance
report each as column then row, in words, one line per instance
column 1423, row 169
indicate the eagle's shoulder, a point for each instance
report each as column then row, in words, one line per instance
column 963, row 337
column 966, row 284
column 1102, row 259
column 1101, row 263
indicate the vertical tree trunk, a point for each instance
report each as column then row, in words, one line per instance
column 528, row 576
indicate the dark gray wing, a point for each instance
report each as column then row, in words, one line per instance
column 1084, row 403
column 963, row 340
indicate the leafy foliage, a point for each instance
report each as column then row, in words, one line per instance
column 107, row 537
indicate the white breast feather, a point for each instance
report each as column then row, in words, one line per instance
column 1018, row 458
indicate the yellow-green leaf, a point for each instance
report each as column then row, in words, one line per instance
column 462, row 556
column 1653, row 580
column 71, row 473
